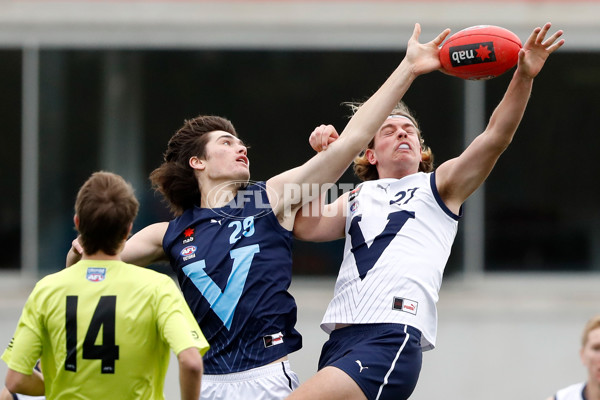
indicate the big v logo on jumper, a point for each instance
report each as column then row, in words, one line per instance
column 475, row 53
column 224, row 302
column 366, row 256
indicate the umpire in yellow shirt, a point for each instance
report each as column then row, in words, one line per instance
column 103, row 328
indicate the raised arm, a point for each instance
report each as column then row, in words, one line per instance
column 458, row 178
column 143, row 248
column 74, row 254
column 328, row 166
column 320, row 222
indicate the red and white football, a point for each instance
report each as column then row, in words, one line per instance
column 480, row 52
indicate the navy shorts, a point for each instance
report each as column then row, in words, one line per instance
column 383, row 359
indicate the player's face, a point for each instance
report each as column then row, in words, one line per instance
column 397, row 148
column 226, row 157
column 590, row 356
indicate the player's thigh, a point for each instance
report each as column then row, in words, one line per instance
column 330, row 383
column 383, row 359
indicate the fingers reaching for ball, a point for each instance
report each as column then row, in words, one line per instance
column 536, row 50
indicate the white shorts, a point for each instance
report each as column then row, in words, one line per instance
column 270, row 382
column 18, row 396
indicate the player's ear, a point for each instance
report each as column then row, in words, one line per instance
column 76, row 221
column 197, row 163
column 370, row 155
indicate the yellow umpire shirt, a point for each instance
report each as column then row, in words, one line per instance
column 103, row 330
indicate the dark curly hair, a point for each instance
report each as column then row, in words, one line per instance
column 174, row 178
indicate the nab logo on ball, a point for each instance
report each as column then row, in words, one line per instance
column 472, row 54
column 480, row 52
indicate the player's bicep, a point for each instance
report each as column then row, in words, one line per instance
column 28, row 384
column 145, row 247
column 295, row 187
column 458, row 178
column 318, row 222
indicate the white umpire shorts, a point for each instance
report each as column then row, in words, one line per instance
column 270, row 382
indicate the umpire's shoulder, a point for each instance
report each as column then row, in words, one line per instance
column 149, row 275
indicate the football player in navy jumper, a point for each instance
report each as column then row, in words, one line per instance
column 231, row 240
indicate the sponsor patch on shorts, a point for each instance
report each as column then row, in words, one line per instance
column 406, row 305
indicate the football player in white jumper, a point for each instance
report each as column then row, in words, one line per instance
column 399, row 226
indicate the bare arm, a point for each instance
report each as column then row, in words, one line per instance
column 328, row 166
column 319, row 222
column 5, row 394
column 142, row 249
column 74, row 254
column 32, row 385
column 145, row 247
column 190, row 373
column 458, row 178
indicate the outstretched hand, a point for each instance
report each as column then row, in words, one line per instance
column 424, row 57
column 536, row 50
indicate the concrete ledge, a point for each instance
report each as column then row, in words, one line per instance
column 284, row 24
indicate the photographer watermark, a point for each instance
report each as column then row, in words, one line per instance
column 233, row 197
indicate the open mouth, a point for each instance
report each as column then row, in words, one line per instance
column 243, row 160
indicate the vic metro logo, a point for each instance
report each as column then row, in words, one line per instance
column 469, row 54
